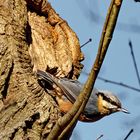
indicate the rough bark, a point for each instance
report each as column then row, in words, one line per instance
column 32, row 36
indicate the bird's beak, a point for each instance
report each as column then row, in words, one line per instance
column 123, row 110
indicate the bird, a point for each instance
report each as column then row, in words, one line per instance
column 100, row 104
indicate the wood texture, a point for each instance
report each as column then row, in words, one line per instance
column 32, row 36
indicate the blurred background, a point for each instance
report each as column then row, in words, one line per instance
column 86, row 18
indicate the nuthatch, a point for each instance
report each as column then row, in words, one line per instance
column 101, row 103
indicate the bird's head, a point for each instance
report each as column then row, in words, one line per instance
column 108, row 103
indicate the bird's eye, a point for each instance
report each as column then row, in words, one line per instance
column 99, row 93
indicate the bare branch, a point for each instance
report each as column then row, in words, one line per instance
column 90, row 39
column 119, row 84
column 130, row 132
column 137, row 0
column 134, row 61
column 100, row 137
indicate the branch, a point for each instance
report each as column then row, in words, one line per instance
column 134, row 61
column 100, row 137
column 98, row 19
column 119, row 83
column 86, row 43
column 130, row 132
column 68, row 120
column 137, row 0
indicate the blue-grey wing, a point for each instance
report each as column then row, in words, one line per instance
column 71, row 88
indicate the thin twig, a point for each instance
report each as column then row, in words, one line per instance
column 100, row 137
column 119, row 84
column 130, row 132
column 137, row 0
column 115, row 83
column 134, row 61
column 86, row 42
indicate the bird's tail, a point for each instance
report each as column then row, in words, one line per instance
column 46, row 77
column 53, row 80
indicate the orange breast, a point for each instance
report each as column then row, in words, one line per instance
column 64, row 106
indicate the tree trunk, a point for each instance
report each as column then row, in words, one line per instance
column 32, row 36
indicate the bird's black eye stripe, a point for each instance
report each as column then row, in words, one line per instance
column 109, row 100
